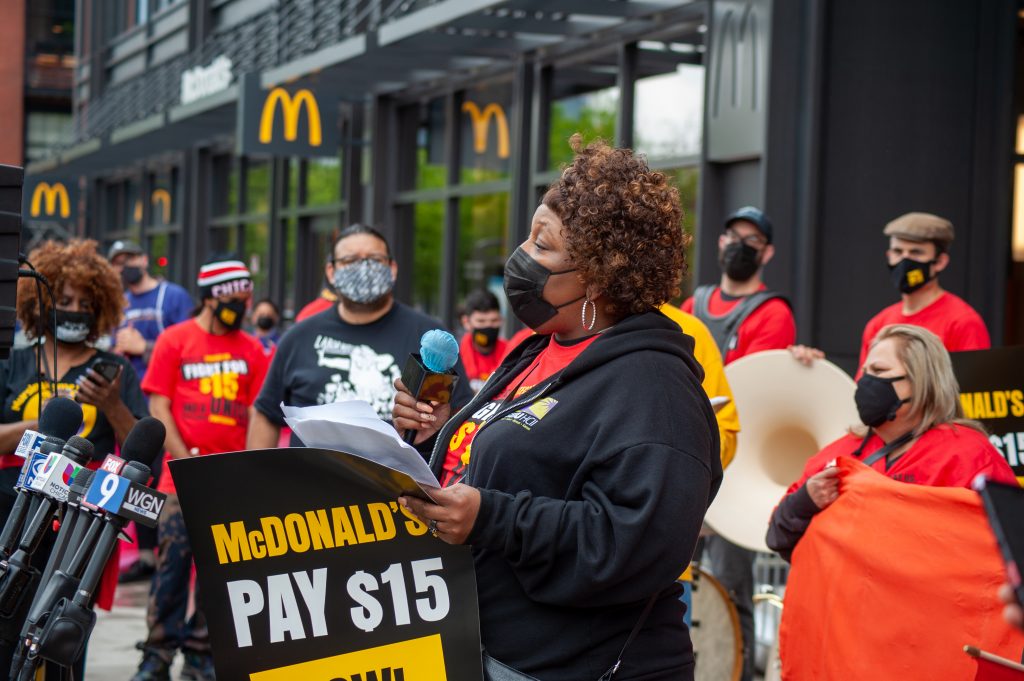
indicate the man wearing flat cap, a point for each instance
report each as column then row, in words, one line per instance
column 918, row 252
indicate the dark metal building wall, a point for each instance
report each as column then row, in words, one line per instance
column 875, row 109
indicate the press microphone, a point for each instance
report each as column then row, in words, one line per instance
column 62, row 637
column 430, row 374
column 18, row 573
column 61, row 418
column 144, row 443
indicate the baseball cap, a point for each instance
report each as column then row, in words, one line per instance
column 124, row 246
column 752, row 215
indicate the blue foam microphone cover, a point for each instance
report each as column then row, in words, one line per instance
column 439, row 350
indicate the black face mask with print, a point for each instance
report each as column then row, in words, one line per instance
column 230, row 314
column 909, row 275
column 485, row 338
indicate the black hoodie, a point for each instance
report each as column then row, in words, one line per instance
column 592, row 496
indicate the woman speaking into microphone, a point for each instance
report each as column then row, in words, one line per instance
column 582, row 470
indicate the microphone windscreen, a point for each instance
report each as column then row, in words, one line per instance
column 60, row 418
column 136, row 472
column 82, row 480
column 145, row 441
column 81, row 445
column 439, row 350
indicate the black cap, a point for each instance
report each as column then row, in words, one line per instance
column 754, row 216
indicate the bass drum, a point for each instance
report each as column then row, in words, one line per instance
column 715, row 632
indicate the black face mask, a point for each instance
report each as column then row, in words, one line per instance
column 131, row 275
column 524, row 286
column 740, row 261
column 266, row 323
column 485, row 338
column 230, row 314
column 909, row 275
column 877, row 401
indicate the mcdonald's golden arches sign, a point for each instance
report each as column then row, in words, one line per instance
column 295, row 120
column 49, row 199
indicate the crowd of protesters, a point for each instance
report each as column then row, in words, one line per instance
column 350, row 343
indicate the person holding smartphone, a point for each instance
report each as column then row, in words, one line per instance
column 88, row 302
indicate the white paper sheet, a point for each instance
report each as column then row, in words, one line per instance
column 355, row 428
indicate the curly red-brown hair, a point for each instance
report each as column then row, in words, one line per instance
column 76, row 263
column 622, row 226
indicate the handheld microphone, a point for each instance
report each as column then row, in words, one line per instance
column 61, row 418
column 430, row 374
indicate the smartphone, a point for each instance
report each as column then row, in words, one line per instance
column 106, row 368
column 1004, row 505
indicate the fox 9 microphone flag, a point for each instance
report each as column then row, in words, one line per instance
column 310, row 569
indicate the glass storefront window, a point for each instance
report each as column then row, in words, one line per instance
column 257, row 255
column 323, row 181
column 223, row 240
column 225, row 183
column 427, row 256
column 257, row 189
column 484, row 124
column 483, row 234
column 291, row 239
column 584, row 100
column 430, row 168
column 132, row 205
column 163, row 199
column 669, row 104
column 162, row 258
column 685, row 179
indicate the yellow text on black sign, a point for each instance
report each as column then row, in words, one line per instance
column 316, row 530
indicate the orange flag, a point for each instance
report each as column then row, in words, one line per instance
column 890, row 583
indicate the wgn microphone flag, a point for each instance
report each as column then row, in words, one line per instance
column 430, row 375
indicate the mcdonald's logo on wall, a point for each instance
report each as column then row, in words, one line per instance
column 480, row 120
column 48, row 199
column 160, row 200
column 296, row 121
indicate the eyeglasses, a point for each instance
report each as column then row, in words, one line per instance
column 753, row 240
column 353, row 259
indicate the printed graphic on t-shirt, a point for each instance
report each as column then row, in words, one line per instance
column 144, row 314
column 360, row 374
column 27, row 404
column 218, row 376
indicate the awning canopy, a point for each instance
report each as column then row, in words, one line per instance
column 427, row 45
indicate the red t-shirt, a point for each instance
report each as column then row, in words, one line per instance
column 211, row 382
column 549, row 362
column 945, row 456
column 769, row 327
column 955, row 322
column 316, row 306
column 479, row 366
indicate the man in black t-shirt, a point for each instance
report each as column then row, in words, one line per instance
column 352, row 351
